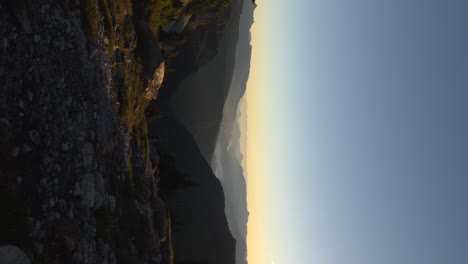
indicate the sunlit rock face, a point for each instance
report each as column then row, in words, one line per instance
column 155, row 82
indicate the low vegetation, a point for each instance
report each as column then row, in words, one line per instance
column 91, row 12
column 140, row 233
column 161, row 12
column 114, row 22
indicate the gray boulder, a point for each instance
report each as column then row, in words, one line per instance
column 87, row 190
column 100, row 190
column 13, row 255
column 111, row 202
column 34, row 136
column 87, row 152
column 76, row 189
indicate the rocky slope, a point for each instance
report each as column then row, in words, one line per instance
column 198, row 95
column 196, row 201
column 79, row 167
column 76, row 182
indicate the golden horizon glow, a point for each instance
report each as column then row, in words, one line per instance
column 258, row 226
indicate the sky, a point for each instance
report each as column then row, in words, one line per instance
column 357, row 134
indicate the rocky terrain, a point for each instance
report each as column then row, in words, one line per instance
column 76, row 183
column 79, row 170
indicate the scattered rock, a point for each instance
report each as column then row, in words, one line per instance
column 5, row 131
column 4, row 121
column 143, row 209
column 43, row 182
column 4, row 43
column 47, row 140
column 36, row 77
column 87, row 190
column 21, row 103
column 102, row 250
column 47, row 39
column 111, row 203
column 24, row 22
column 92, row 53
column 40, row 99
column 76, row 189
column 61, row 205
column 113, row 259
column 35, row 228
column 87, row 152
column 70, row 212
column 47, row 160
column 67, row 26
column 13, row 255
column 69, row 243
column 51, row 202
column 59, row 43
column 51, row 216
column 99, row 191
column 77, row 257
column 64, row 147
column 38, row 248
column 34, row 136
column 27, row 148
column 15, row 152
column 30, row 96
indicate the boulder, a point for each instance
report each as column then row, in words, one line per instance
column 111, row 202
column 34, row 136
column 87, row 190
column 76, row 189
column 87, row 152
column 103, row 250
column 13, row 255
column 4, row 43
column 69, row 243
column 99, row 190
column 23, row 20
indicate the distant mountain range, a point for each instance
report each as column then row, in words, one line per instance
column 228, row 161
column 199, row 104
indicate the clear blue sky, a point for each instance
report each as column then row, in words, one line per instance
column 367, row 107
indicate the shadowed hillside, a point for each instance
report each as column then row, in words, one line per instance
column 205, row 66
column 200, row 229
column 228, row 157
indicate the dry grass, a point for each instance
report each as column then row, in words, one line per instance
column 91, row 12
column 120, row 31
column 169, row 238
column 161, row 12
